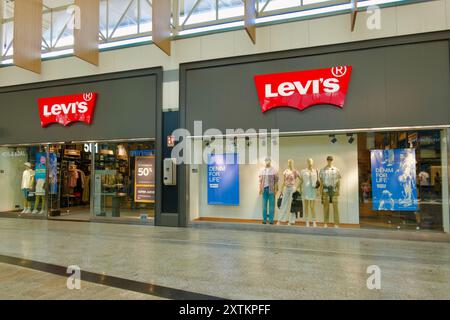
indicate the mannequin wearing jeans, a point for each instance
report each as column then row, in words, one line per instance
column 330, row 178
column 308, row 180
column 268, row 187
column 290, row 184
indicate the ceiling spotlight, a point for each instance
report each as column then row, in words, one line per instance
column 333, row 139
column 351, row 139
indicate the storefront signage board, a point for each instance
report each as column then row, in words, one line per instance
column 144, row 182
column 67, row 109
column 303, row 89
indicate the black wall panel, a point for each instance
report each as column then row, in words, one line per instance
column 126, row 108
column 404, row 85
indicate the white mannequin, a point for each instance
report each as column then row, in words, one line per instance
column 308, row 181
column 290, row 184
column 26, row 186
column 330, row 178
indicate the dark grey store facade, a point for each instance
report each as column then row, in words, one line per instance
column 127, row 123
column 398, row 98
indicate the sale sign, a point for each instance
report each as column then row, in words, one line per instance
column 303, row 89
column 144, row 182
column 67, row 109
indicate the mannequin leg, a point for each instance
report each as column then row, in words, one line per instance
column 326, row 208
column 282, row 213
column 306, row 210
column 43, row 205
column 26, row 204
column 288, row 194
column 265, row 200
column 36, row 204
column 336, row 211
column 271, row 207
column 292, row 218
column 312, row 209
column 285, row 208
column 418, row 220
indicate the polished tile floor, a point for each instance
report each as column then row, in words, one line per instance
column 19, row 283
column 234, row 264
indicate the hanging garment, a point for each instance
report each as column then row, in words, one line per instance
column 86, row 189
column 73, row 178
column 82, row 177
column 297, row 204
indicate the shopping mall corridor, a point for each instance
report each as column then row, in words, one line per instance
column 118, row 261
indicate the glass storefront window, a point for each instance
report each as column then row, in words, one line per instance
column 419, row 188
column 23, row 173
column 386, row 180
column 55, row 181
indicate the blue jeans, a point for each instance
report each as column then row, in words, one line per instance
column 268, row 198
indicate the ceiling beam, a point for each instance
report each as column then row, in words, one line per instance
column 27, row 42
column 353, row 14
column 161, row 31
column 250, row 19
column 86, row 34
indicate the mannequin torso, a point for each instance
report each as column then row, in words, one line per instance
column 27, row 179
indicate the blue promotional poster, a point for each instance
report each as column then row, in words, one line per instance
column 223, row 179
column 41, row 172
column 394, row 180
column 53, row 173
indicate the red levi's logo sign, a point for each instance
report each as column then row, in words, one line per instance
column 303, row 89
column 67, row 109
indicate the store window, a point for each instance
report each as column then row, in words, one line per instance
column 23, row 174
column 408, row 172
column 79, row 181
column 367, row 180
column 302, row 168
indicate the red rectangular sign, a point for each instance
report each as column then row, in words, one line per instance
column 303, row 89
column 67, row 109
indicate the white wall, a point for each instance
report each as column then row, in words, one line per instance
column 395, row 21
column 299, row 149
column 10, row 180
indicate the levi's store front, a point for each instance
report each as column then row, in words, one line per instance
column 81, row 149
column 331, row 137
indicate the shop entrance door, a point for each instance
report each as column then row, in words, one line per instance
column 107, row 194
column 118, row 192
